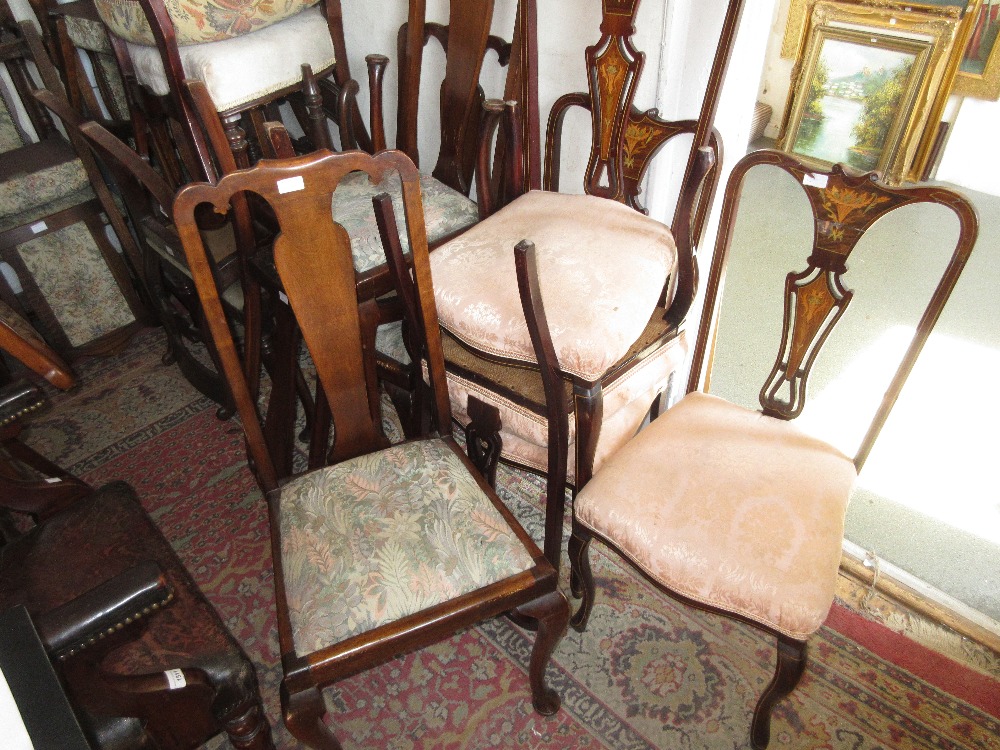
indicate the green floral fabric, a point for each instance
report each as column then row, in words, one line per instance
column 20, row 191
column 445, row 211
column 10, row 138
column 374, row 539
column 200, row 21
column 33, row 214
column 71, row 273
column 88, row 34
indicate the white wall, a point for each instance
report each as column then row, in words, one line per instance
column 971, row 156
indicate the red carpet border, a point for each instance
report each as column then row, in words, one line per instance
column 648, row 673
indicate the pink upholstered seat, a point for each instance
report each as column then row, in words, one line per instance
column 581, row 274
column 763, row 543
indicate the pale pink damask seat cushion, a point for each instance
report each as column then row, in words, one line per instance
column 601, row 268
column 730, row 508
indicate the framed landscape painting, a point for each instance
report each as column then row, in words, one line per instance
column 979, row 68
column 854, row 99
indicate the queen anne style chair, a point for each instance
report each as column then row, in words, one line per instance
column 387, row 547
column 617, row 284
column 64, row 274
column 737, row 511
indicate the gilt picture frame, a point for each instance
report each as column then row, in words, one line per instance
column 853, row 43
column 979, row 65
column 853, row 103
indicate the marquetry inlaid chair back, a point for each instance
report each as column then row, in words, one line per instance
column 472, row 558
column 625, row 139
column 845, row 205
column 618, row 283
column 739, row 511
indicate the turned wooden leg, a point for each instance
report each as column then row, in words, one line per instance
column 581, row 579
column 250, row 729
column 304, row 712
column 551, row 612
column 791, row 663
column 237, row 137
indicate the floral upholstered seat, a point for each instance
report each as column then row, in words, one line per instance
column 446, row 211
column 197, row 23
column 429, row 533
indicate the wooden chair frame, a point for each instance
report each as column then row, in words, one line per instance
column 815, row 300
column 317, row 307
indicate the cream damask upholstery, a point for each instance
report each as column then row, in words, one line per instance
column 196, row 23
column 376, row 538
column 576, row 237
column 764, row 543
column 241, row 69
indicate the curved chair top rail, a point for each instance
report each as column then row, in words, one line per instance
column 845, row 204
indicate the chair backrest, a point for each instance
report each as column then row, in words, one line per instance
column 844, row 206
column 312, row 256
column 466, row 41
column 625, row 139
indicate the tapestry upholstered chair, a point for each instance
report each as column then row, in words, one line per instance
column 738, row 511
column 60, row 269
column 148, row 201
column 452, row 553
column 617, row 283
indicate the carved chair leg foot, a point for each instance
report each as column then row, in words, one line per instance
column 581, row 579
column 304, row 712
column 250, row 729
column 551, row 613
column 791, row 663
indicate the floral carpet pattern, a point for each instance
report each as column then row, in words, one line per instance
column 648, row 673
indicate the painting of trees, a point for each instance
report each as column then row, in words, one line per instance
column 883, row 91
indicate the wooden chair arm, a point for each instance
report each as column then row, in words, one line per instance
column 494, row 190
column 553, row 135
column 684, row 283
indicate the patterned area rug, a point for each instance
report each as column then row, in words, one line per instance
column 648, row 673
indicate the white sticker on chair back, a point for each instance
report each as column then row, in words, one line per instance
column 291, row 184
